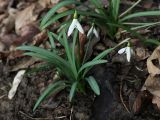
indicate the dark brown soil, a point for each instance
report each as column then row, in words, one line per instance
column 20, row 107
column 83, row 108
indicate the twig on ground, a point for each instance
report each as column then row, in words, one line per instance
column 31, row 118
column 2, row 96
column 121, row 97
column 70, row 118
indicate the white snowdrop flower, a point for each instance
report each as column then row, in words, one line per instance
column 93, row 30
column 127, row 50
column 75, row 24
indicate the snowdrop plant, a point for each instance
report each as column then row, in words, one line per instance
column 108, row 18
column 75, row 24
column 93, row 30
column 127, row 50
column 74, row 74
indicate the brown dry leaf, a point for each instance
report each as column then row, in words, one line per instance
column 44, row 3
column 2, row 46
column 153, row 69
column 3, row 5
column 147, row 4
column 27, row 34
column 39, row 38
column 8, row 39
column 137, row 103
column 24, row 64
column 156, row 100
column 2, row 16
column 8, row 24
column 25, row 17
column 152, row 84
column 142, row 53
column 14, row 54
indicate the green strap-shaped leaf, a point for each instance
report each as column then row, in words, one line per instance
column 103, row 54
column 141, row 14
column 93, row 84
column 90, row 64
column 70, row 12
column 69, row 54
column 59, row 38
column 56, row 17
column 53, row 88
column 115, row 8
column 66, row 69
column 55, row 8
column 51, row 40
column 72, row 91
column 42, row 52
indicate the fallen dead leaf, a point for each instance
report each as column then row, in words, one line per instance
column 8, row 24
column 137, row 103
column 141, row 53
column 25, row 17
column 18, row 78
column 2, row 46
column 8, row 39
column 156, row 100
column 39, row 38
column 27, row 34
column 153, row 69
column 44, row 3
column 3, row 5
column 24, row 64
column 152, row 84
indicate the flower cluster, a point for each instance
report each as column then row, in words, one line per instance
column 75, row 24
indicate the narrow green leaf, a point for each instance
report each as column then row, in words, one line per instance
column 139, row 23
column 58, row 38
column 91, row 64
column 97, row 3
column 145, row 25
column 69, row 12
column 49, row 57
column 69, row 54
column 100, row 56
column 72, row 91
column 51, row 40
column 141, row 14
column 56, row 17
column 42, row 52
column 55, row 8
column 103, row 54
column 73, row 47
column 93, row 84
column 115, row 8
column 67, row 71
column 152, row 41
column 53, row 88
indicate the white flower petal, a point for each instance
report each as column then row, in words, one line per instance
column 71, row 27
column 122, row 50
column 96, row 33
column 79, row 27
column 90, row 31
column 128, row 53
